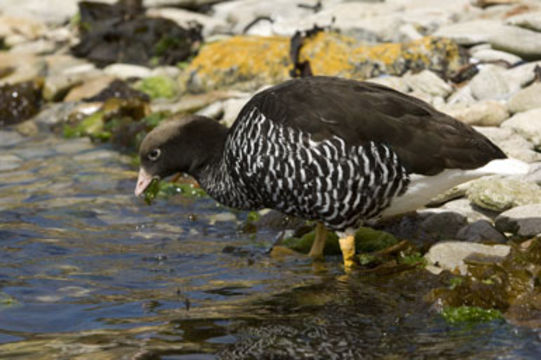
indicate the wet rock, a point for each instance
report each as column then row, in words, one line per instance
column 442, row 225
column 524, row 221
column 118, row 89
column 108, row 36
column 450, row 255
column 9, row 138
column 481, row 231
column 490, row 55
column 9, row 162
column 465, row 208
column 526, row 99
column 527, row 124
column 19, row 102
column 127, row 71
column 500, row 194
column 482, row 113
column 428, row 82
column 251, row 62
column 490, row 83
column 184, row 18
column 511, row 143
column 27, row 128
column 530, row 20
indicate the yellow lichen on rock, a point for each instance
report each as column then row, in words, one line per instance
column 249, row 62
column 240, row 59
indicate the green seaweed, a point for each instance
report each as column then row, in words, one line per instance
column 164, row 189
column 370, row 240
column 470, row 314
column 414, row 258
column 158, row 87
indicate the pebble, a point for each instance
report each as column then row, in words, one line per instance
column 9, row 138
column 524, row 220
column 211, row 25
column 481, row 231
column 490, row 83
column 526, row 99
column 127, row 71
column 511, row 143
column 488, row 55
column 500, row 194
column 394, row 82
column 529, row 20
column 450, row 255
column 527, row 124
column 482, row 113
column 428, row 82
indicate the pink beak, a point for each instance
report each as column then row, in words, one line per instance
column 143, row 180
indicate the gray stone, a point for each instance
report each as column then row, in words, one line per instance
column 524, row 220
column 50, row 11
column 487, row 55
column 519, row 76
column 462, row 96
column 530, row 20
column 444, row 224
column 500, row 194
column 9, row 162
column 490, row 83
column 428, row 82
column 526, row 99
column 9, row 138
column 211, row 25
column 483, row 113
column 27, row 128
column 511, row 143
column 464, row 207
column 527, row 124
column 450, row 255
column 481, row 231
column 469, row 32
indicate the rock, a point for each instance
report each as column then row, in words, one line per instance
column 118, row 89
column 462, row 96
column 89, row 88
column 19, row 102
column 64, row 72
column 500, row 194
column 211, row 25
column 526, row 99
column 481, row 231
column 464, row 207
column 527, row 124
column 442, row 224
column 16, row 30
column 530, row 20
column 127, row 71
column 518, row 41
column 27, row 128
column 395, row 82
column 450, row 255
column 490, row 83
column 51, row 11
column 20, row 67
column 428, row 82
column 469, row 32
column 519, row 76
column 524, row 220
column 9, row 138
column 488, row 55
column 9, row 162
column 250, row 62
column 41, row 46
column 483, row 113
column 232, row 108
column 511, row 143
column 213, row 111
column 107, row 36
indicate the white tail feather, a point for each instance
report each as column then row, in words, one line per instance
column 424, row 188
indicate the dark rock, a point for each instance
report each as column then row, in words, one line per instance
column 19, row 102
column 481, row 231
column 524, row 221
column 121, row 33
column 118, row 89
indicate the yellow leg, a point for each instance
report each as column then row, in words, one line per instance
column 347, row 245
column 316, row 252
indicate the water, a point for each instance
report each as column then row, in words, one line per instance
column 87, row 271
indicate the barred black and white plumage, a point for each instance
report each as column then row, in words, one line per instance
column 328, row 149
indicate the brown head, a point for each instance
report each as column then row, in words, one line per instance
column 181, row 145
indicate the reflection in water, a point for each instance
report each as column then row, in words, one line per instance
column 89, row 272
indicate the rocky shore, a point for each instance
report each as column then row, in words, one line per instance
column 112, row 71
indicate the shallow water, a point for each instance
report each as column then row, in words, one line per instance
column 87, row 271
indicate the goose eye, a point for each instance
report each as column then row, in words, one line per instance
column 154, row 154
